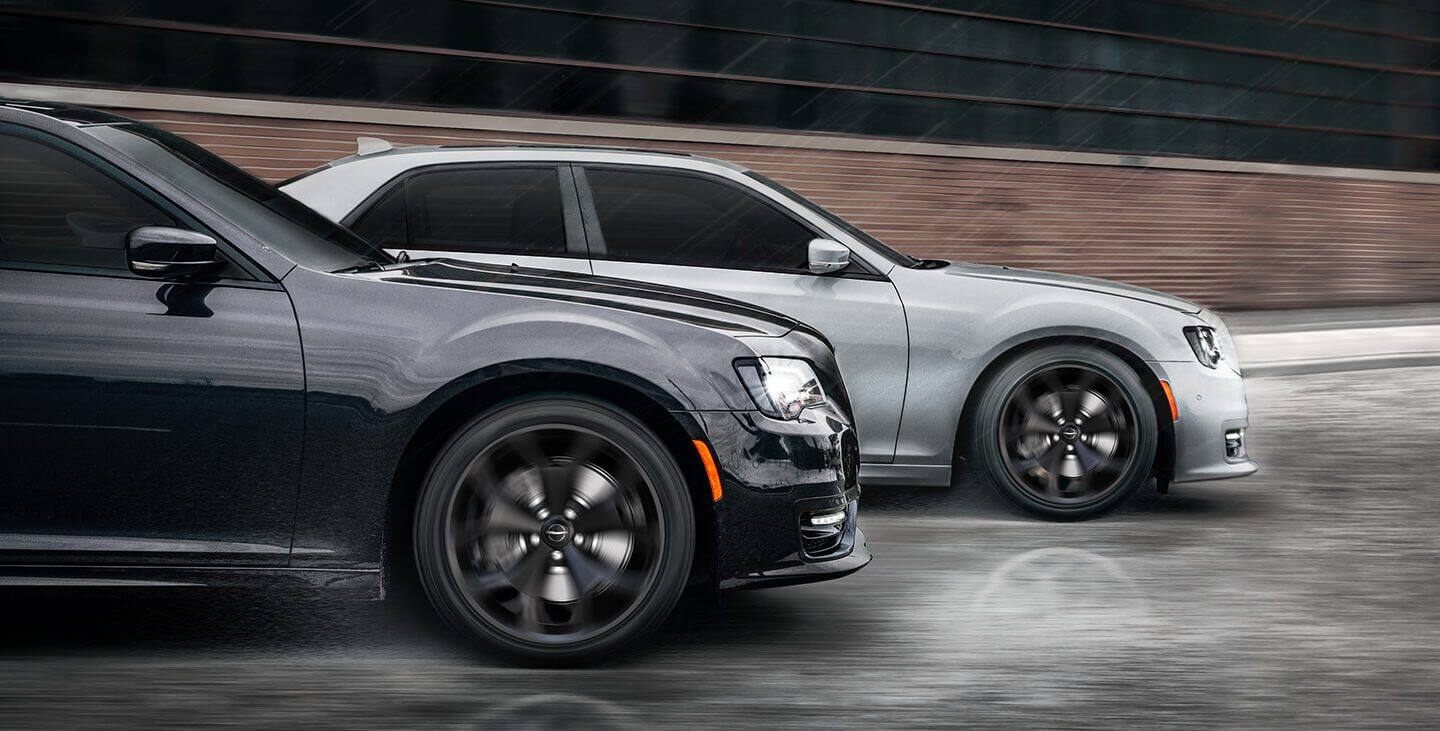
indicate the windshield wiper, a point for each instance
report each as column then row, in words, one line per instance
column 376, row 266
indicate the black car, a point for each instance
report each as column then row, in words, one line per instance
column 203, row 382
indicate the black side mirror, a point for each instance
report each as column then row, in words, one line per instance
column 170, row 253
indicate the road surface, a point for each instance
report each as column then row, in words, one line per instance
column 1305, row 596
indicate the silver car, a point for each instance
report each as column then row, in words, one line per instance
column 1065, row 393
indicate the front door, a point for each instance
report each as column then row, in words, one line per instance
column 141, row 421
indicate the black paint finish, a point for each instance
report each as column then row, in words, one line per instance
column 185, row 431
column 142, row 433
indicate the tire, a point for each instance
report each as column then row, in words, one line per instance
column 554, row 530
column 1064, row 432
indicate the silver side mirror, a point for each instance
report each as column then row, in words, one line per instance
column 828, row 256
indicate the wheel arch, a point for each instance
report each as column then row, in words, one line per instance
column 467, row 397
column 1165, row 439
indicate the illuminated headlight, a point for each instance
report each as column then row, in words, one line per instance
column 1205, row 344
column 780, row 387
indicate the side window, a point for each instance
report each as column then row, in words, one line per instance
column 499, row 209
column 57, row 209
column 688, row 220
column 386, row 224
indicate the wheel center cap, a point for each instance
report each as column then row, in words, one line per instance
column 556, row 532
column 1070, row 432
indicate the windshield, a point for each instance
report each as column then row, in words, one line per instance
column 279, row 221
column 880, row 247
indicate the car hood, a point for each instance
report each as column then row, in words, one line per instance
column 673, row 303
column 1070, row 281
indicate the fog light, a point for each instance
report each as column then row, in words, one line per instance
column 1235, row 444
column 828, row 518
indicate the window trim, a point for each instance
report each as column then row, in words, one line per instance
column 575, row 244
column 129, row 182
column 858, row 269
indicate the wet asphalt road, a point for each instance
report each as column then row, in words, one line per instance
column 1304, row 596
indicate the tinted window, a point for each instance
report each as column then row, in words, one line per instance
column 386, row 222
column 516, row 210
column 57, row 209
column 281, row 222
column 683, row 219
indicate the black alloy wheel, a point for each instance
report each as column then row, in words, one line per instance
column 555, row 530
column 1065, row 431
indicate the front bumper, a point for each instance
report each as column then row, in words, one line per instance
column 1212, row 408
column 784, row 481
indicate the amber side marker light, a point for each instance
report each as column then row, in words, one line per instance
column 1170, row 396
column 711, row 473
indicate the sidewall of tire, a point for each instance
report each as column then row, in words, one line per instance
column 671, row 496
column 984, row 440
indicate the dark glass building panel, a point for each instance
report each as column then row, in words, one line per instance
column 1263, row 81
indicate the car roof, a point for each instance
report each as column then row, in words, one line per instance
column 66, row 113
column 386, row 151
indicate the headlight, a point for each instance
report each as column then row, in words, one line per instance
column 780, row 387
column 1205, row 344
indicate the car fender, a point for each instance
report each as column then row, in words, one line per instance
column 959, row 326
column 379, row 391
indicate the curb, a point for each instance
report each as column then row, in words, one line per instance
column 1327, row 350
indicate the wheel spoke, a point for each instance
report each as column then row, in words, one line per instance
column 1052, row 483
column 1053, row 458
column 1089, row 458
column 1104, row 442
column 557, row 488
column 604, row 513
column 1038, row 423
column 528, row 574
column 480, row 477
column 582, row 451
column 505, row 517
column 600, row 518
column 586, row 571
column 485, row 583
column 1069, row 404
column 583, row 608
column 529, row 615
column 1051, row 379
column 466, row 531
column 529, row 448
column 626, row 474
column 627, row 583
column 1094, row 407
column 1025, row 403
